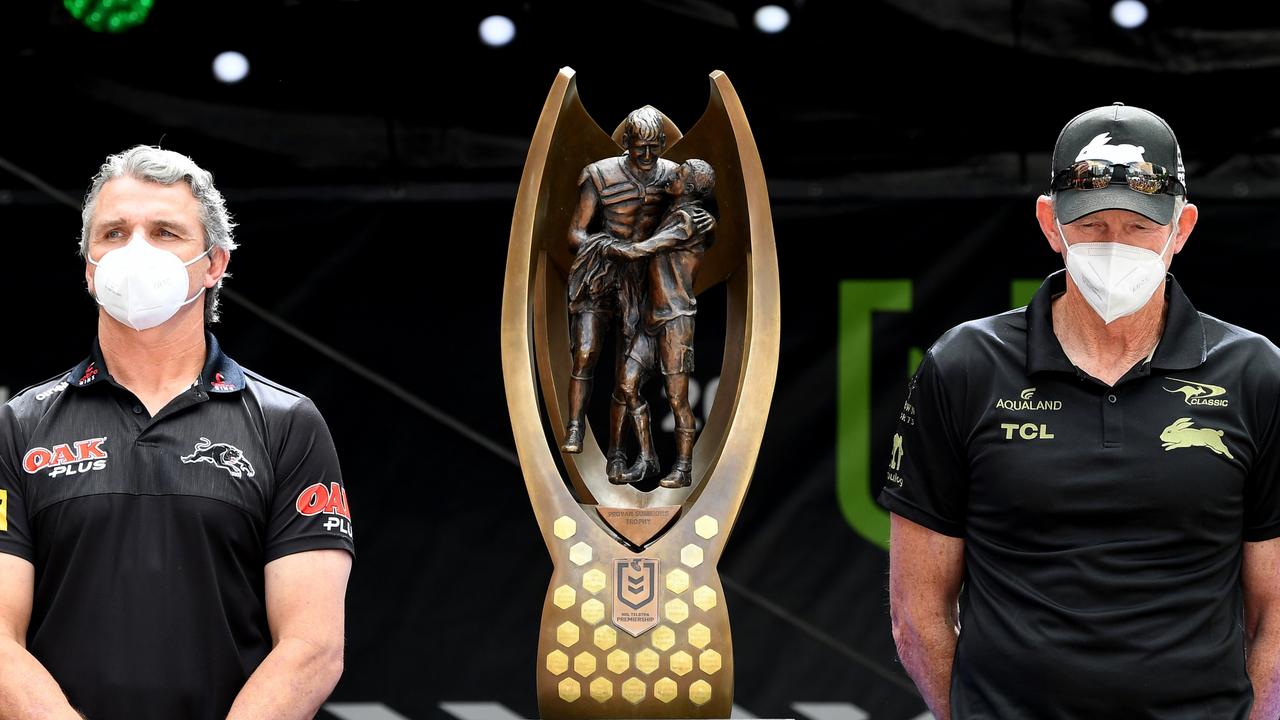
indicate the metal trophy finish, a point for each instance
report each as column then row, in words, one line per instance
column 613, row 238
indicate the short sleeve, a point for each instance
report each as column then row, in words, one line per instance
column 309, row 510
column 1262, row 488
column 15, row 528
column 928, row 478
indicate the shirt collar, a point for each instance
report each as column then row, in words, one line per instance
column 220, row 373
column 1181, row 347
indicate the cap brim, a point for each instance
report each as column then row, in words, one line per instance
column 1071, row 205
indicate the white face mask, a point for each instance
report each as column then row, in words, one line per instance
column 141, row 285
column 1116, row 279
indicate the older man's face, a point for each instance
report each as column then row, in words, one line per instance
column 1119, row 226
column 167, row 216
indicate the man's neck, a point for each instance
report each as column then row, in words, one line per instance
column 1106, row 351
column 155, row 364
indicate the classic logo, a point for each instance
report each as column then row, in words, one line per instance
column 4, row 511
column 221, row 455
column 52, row 391
column 1198, row 393
column 67, row 458
column 1183, row 434
column 635, row 601
column 320, row 499
column 1100, row 149
column 1026, row 401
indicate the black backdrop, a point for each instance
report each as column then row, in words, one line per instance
column 372, row 160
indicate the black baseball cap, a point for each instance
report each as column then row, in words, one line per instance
column 1116, row 133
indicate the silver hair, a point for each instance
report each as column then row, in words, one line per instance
column 166, row 167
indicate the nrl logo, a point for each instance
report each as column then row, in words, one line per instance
column 635, row 600
column 1198, row 393
column 1025, row 401
column 221, row 455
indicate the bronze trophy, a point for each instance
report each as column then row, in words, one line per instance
column 613, row 239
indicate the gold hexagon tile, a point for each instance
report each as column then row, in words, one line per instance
column 664, row 637
column 601, row 689
column 709, row 662
column 580, row 554
column 677, row 610
column 681, row 663
column 699, row 636
column 618, row 662
column 706, row 527
column 704, row 597
column 570, row 690
column 567, row 634
column 700, row 692
column 584, row 664
column 633, row 690
column 690, row 555
column 677, row 581
column 606, row 637
column 564, row 527
column 665, row 690
column 646, row 661
column 592, row 611
column 557, row 662
column 593, row 581
column 564, row 597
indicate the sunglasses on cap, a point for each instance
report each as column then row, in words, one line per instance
column 1144, row 177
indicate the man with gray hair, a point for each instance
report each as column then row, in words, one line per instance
column 175, row 539
column 1085, row 492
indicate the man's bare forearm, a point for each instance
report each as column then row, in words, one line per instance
column 27, row 690
column 927, row 648
column 290, row 684
column 1264, row 670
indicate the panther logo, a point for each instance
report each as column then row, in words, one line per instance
column 221, row 455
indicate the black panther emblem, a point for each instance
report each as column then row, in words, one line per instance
column 221, row 455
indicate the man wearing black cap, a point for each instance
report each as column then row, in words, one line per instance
column 1084, row 492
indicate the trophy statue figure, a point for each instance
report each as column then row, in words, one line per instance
column 635, row 623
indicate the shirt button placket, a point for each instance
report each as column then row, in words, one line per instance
column 1112, row 420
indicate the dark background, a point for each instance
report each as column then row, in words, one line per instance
column 372, row 156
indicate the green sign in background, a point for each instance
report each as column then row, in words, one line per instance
column 859, row 301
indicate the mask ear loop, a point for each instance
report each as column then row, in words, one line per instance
column 202, row 288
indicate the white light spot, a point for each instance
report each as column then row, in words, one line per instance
column 1129, row 14
column 230, row 67
column 772, row 18
column 497, row 30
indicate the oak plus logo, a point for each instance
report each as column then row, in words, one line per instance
column 331, row 500
column 1027, row 401
column 1198, row 393
column 67, row 459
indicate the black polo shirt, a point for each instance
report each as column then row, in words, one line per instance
column 149, row 534
column 1102, row 526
